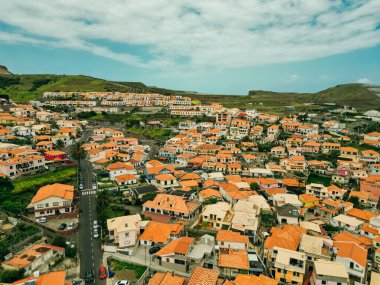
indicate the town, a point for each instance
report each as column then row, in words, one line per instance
column 143, row 188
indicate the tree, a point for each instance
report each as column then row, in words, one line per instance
column 254, row 186
column 210, row 201
column 59, row 241
column 9, row 276
column 149, row 197
column 71, row 251
column 6, row 184
column 60, row 144
column 77, row 152
column 355, row 200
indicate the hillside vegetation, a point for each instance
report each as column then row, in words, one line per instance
column 25, row 87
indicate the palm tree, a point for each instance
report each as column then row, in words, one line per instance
column 77, row 152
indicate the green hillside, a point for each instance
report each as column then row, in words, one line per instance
column 25, row 87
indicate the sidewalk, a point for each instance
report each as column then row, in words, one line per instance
column 139, row 258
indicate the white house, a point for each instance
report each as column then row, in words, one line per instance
column 53, row 199
column 346, row 222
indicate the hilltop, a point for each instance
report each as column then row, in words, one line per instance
column 25, row 87
column 4, row 70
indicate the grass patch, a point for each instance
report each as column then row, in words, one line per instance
column 315, row 178
column 118, row 265
column 65, row 175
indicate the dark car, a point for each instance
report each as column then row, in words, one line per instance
column 62, row 227
column 89, row 277
column 102, row 272
column 154, row 249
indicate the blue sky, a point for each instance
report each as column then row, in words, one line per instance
column 224, row 47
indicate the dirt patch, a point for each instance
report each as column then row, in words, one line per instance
column 126, row 274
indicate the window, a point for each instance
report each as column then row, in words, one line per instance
column 283, row 280
column 55, row 204
column 297, row 274
column 324, row 282
column 351, row 265
column 179, row 261
column 47, row 205
column 39, row 206
column 127, row 235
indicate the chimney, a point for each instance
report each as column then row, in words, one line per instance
column 36, row 274
column 173, row 273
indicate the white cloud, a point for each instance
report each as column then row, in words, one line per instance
column 216, row 33
column 364, row 80
column 294, row 77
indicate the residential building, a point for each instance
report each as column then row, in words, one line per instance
column 124, row 231
column 53, row 199
column 174, row 254
column 353, row 257
column 289, row 266
column 329, row 272
column 54, row 277
column 34, row 258
column 218, row 216
column 157, row 233
column 230, row 239
column 172, row 205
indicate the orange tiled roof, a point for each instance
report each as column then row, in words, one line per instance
column 27, row 257
column 160, row 232
column 203, row 276
column 54, row 190
column 207, row 193
column 237, row 259
column 56, row 278
column 230, row 236
column 167, row 278
column 287, row 237
column 353, row 251
column 176, row 246
column 245, row 279
column 361, row 214
column 348, row 237
column 308, row 198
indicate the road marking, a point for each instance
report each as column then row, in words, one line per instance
column 90, row 192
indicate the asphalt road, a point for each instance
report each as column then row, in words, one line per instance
column 89, row 247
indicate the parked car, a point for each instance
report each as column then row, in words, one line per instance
column 41, row 220
column 94, row 187
column 122, row 282
column 70, row 225
column 81, row 186
column 154, row 249
column 89, row 276
column 102, row 272
column 62, row 226
column 95, row 224
column 96, row 233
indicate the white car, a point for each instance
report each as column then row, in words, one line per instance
column 94, row 187
column 41, row 220
column 122, row 282
column 96, row 233
column 95, row 224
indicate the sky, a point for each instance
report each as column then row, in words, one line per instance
column 213, row 46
